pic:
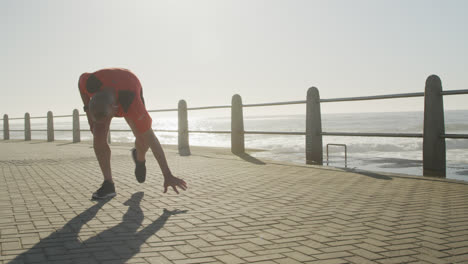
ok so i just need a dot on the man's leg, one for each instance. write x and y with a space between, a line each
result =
103 155
102 150
140 145
141 148
138 153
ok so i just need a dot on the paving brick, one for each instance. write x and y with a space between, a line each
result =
402 246
399 253
366 254
430 259
10 246
207 254
298 256
184 249
173 255
264 257
306 250
240 252
359 260
230 259
433 246
458 244
397 260
328 261
332 255
273 251
457 251
370 247
457 259
338 248
194 261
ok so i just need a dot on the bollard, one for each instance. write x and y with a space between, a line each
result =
434 127
237 125
50 126
27 127
6 128
184 147
76 126
314 148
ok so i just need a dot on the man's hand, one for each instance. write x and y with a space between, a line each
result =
174 182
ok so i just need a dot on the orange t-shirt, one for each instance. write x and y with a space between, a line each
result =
128 94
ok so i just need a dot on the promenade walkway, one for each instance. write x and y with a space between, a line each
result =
236 210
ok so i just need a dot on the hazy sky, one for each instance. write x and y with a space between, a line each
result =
206 51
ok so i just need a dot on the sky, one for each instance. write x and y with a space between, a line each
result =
206 51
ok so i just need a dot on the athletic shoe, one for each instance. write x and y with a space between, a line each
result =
107 190
140 167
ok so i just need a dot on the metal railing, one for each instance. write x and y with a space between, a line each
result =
345 152
434 127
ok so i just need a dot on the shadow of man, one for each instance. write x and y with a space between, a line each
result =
117 244
62 240
121 242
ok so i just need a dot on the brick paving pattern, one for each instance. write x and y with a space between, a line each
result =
236 210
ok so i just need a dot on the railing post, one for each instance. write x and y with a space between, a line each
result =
50 126
76 126
109 139
27 127
434 128
237 125
6 128
184 147
314 148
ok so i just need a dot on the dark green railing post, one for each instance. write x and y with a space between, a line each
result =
184 147
76 126
237 126
27 127
434 127
314 147
6 128
50 126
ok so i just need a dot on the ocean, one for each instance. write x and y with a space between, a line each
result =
395 155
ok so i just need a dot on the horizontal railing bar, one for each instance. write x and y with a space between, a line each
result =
212 132
455 136
408 135
16 130
162 110
118 130
165 130
454 92
278 103
191 108
59 116
209 107
39 130
375 97
129 130
275 133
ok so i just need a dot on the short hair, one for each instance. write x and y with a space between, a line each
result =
100 104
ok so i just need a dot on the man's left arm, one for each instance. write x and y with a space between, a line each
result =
169 179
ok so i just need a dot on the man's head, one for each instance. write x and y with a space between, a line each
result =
101 106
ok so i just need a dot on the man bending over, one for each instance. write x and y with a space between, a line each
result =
117 92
